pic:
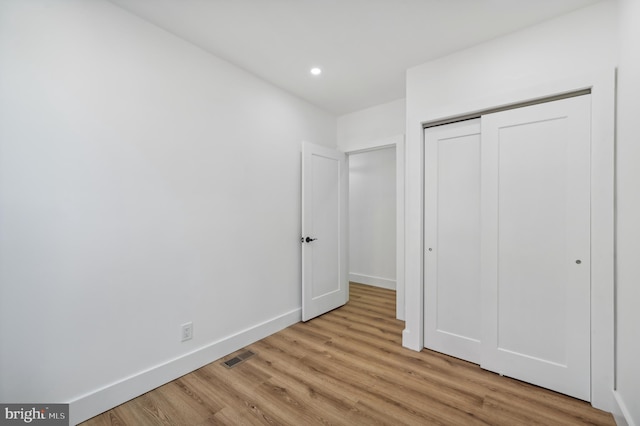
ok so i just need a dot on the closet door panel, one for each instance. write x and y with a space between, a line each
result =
452 239
536 244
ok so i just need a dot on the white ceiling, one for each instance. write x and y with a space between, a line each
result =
362 46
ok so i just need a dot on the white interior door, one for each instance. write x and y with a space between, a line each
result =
535 210
452 239
325 284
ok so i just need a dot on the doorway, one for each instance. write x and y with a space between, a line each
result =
372 217
381 161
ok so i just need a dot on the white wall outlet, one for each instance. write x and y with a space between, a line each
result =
187 331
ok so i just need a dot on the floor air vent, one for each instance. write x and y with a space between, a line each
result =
230 363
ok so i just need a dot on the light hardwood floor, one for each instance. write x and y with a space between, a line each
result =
348 367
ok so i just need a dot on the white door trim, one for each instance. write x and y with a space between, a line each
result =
602 87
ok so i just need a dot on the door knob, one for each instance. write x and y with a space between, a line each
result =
310 239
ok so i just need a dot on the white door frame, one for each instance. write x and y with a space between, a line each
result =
398 142
602 86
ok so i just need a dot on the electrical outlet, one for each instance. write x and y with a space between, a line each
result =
187 331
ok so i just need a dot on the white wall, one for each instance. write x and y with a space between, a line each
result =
371 127
372 217
628 203
529 63
143 183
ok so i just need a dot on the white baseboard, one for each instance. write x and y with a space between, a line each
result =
621 413
112 395
374 281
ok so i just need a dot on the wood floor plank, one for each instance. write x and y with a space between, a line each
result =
305 371
348 367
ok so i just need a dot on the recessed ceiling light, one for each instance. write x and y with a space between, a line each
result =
316 71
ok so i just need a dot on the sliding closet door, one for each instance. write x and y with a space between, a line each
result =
536 244
452 239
